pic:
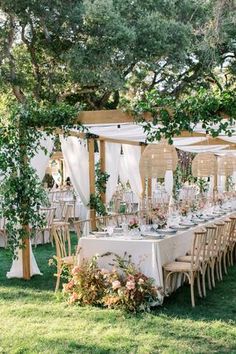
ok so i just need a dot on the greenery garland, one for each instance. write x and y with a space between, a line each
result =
100 184
170 117
21 191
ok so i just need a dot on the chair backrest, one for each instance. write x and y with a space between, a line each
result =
210 240
221 226
49 215
226 234
61 236
198 248
232 229
68 211
82 227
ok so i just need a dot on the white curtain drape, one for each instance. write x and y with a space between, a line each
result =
169 182
40 163
76 156
130 166
112 168
221 183
211 185
40 160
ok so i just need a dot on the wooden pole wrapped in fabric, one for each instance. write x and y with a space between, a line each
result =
143 178
24 205
92 179
103 165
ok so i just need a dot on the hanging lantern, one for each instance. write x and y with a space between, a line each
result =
157 159
204 165
227 165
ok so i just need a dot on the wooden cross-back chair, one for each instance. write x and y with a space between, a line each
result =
82 227
64 256
48 215
219 247
190 269
232 241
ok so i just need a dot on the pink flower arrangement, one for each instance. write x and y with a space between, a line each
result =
130 285
133 224
116 284
123 287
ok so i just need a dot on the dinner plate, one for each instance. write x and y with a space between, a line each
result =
152 234
179 227
100 234
187 223
166 231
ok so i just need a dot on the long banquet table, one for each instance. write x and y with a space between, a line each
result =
148 254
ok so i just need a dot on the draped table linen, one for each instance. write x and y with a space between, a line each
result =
148 254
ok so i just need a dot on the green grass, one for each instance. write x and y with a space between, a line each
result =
32 320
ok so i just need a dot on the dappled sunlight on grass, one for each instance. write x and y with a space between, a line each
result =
33 320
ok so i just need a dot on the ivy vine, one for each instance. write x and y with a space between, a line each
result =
169 117
101 179
22 193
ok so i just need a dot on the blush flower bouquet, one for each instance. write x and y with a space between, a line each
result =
123 287
134 224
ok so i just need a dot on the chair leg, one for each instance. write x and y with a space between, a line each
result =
217 270
220 267
231 258
199 285
213 273
192 289
204 282
224 263
209 277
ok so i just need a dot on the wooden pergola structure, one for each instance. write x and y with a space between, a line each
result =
108 117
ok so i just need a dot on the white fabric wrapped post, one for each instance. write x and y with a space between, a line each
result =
112 156
130 166
40 163
211 186
76 157
169 182
221 183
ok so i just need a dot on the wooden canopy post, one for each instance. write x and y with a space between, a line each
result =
92 179
24 206
143 177
215 189
103 165
26 254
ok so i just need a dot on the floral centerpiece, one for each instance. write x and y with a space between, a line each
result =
124 287
159 216
184 209
134 224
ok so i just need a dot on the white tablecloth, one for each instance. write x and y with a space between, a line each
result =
148 255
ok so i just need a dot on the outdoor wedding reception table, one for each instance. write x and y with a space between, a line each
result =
149 253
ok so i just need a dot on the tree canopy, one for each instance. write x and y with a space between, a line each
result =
96 51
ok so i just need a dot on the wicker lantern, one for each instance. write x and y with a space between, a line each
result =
157 159
204 165
227 165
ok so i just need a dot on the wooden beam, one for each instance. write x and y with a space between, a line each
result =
92 180
115 116
103 164
143 179
187 134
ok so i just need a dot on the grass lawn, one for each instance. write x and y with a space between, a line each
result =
32 320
